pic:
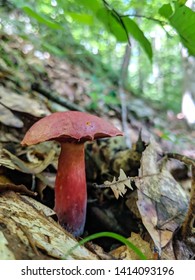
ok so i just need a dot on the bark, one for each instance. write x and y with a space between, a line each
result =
27 233
188 98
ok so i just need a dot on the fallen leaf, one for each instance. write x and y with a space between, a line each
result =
161 200
22 103
8 118
119 187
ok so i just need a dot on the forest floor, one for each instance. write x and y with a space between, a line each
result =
35 84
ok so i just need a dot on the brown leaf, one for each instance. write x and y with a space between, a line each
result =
161 200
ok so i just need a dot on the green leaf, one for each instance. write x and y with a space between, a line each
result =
181 2
93 5
111 24
40 18
139 36
121 31
183 21
82 18
165 11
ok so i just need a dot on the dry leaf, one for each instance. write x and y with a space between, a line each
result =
8 118
22 103
161 200
119 187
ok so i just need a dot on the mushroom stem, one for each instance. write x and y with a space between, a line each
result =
70 188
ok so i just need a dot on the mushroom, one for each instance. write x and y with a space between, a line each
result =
71 129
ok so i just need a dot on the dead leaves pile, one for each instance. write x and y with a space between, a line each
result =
162 205
161 201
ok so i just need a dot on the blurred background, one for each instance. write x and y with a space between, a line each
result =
136 58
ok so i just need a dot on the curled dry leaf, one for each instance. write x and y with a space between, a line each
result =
119 187
26 233
161 200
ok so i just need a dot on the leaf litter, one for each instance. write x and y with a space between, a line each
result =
161 209
162 202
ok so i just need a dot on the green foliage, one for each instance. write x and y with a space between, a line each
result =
183 20
94 34
81 18
40 19
181 2
166 11
139 36
120 27
94 5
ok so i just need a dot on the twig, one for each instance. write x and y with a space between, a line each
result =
188 225
184 159
122 95
161 22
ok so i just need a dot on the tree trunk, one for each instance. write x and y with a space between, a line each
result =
188 99
122 95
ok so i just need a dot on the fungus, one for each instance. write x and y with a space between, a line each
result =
71 129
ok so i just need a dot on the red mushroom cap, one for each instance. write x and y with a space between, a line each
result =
70 126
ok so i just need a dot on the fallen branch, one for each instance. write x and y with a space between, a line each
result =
27 233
